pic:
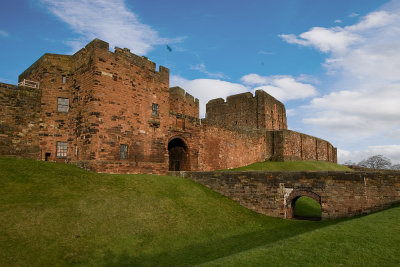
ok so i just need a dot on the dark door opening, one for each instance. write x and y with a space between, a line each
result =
47 156
178 155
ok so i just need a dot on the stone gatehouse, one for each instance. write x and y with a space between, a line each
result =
114 112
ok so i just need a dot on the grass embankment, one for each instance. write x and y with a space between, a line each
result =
293 166
55 214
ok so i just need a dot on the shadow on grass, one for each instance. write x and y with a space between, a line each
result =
218 248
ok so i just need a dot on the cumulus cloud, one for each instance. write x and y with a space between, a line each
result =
282 87
108 20
337 39
207 89
364 62
202 68
362 112
326 40
373 20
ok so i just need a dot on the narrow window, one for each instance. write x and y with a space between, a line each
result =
154 109
123 151
61 149
63 104
64 79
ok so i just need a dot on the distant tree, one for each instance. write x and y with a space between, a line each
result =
350 163
376 162
395 167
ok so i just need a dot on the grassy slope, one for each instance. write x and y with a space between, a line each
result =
55 214
373 240
293 166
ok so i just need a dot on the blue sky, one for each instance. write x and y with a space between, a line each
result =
334 64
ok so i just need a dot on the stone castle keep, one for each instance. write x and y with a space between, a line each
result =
114 112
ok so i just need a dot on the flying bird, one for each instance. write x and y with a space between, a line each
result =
169 48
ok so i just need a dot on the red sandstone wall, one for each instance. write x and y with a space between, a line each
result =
309 150
223 149
183 103
243 111
75 126
272 113
290 145
19 121
125 87
54 126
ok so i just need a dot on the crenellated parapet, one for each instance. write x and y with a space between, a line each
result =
183 102
245 111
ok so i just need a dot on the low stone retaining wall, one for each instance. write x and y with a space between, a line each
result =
341 194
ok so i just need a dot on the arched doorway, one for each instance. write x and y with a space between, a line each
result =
305 205
178 155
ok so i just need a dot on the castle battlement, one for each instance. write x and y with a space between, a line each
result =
238 97
183 102
181 94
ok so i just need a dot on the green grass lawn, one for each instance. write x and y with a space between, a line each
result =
57 215
293 166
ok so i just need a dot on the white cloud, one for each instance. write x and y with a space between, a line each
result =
308 79
373 20
207 89
338 21
111 21
291 112
282 87
255 79
353 15
362 104
337 39
364 113
390 151
3 33
202 68
326 40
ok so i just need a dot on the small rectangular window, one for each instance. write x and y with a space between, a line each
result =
123 151
63 104
64 79
61 149
154 109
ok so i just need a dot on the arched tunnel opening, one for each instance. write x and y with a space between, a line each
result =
306 208
178 155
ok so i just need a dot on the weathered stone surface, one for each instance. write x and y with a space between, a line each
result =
19 121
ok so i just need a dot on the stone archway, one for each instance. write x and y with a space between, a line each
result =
294 196
178 155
